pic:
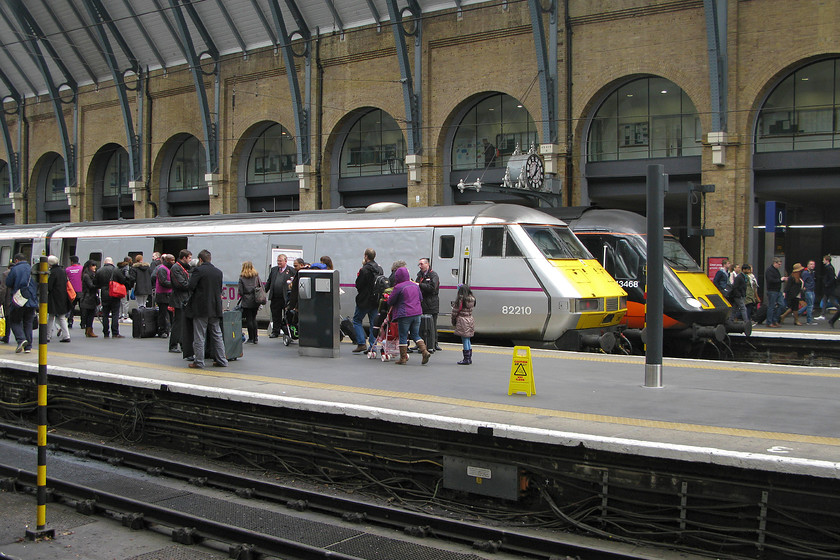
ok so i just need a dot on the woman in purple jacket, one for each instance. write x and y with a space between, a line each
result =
406 311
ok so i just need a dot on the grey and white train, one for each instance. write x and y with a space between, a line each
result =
533 279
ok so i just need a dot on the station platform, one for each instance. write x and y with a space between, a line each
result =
756 416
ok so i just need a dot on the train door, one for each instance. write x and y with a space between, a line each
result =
452 263
68 248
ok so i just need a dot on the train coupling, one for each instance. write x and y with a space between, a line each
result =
589 339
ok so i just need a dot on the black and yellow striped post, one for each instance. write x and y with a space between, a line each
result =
41 530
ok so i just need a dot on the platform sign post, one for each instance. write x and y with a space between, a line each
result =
657 186
41 530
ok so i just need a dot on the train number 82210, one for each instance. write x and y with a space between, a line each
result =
516 310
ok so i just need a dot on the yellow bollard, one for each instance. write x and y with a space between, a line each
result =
522 372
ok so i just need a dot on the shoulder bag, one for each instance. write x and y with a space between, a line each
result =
71 292
115 289
259 293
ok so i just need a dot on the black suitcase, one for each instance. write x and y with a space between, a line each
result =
348 330
144 322
232 333
760 314
428 331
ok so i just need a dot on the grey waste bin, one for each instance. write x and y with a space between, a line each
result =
318 320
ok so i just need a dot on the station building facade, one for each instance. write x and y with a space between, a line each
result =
632 87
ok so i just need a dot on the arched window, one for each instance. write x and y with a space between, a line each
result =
273 157
56 181
645 118
5 184
803 111
116 174
375 145
188 166
490 132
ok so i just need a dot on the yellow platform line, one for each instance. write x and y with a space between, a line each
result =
515 409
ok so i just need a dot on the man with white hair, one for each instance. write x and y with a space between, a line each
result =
58 301
110 305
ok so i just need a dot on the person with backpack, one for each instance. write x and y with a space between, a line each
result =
367 299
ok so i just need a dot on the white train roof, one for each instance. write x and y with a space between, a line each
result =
378 216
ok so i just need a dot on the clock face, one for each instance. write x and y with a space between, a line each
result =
534 172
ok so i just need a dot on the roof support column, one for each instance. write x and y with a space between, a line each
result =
14 157
301 108
546 67
410 85
32 36
101 19
716 23
211 140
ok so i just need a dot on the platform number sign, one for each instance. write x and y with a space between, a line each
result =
775 216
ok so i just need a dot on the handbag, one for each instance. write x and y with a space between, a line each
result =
259 293
19 299
115 289
71 292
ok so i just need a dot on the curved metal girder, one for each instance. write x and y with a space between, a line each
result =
142 28
374 12
70 42
170 27
411 96
211 141
264 22
202 30
232 26
14 157
301 113
716 21
547 69
106 20
34 35
337 18
100 17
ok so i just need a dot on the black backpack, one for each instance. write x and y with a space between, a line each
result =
380 284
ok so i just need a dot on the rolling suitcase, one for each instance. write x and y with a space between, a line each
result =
144 322
348 330
428 331
232 333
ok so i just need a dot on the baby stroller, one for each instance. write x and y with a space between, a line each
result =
289 326
387 341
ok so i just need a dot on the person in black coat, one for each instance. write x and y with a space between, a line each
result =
110 305
58 301
277 288
89 298
205 308
429 283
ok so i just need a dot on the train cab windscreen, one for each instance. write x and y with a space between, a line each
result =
677 257
557 243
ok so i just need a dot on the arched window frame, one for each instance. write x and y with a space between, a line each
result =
504 122
375 145
648 117
803 110
186 171
273 157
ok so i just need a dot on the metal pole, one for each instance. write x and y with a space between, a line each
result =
657 183
41 493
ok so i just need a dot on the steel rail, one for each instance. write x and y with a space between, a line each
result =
388 516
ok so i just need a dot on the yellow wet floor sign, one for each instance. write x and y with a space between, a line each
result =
522 372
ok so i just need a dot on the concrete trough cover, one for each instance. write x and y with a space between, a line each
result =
178 553
313 533
373 547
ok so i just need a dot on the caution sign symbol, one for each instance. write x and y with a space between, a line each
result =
522 372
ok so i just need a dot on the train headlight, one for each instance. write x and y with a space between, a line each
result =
589 304
693 302
622 302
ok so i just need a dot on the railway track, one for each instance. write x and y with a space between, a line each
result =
192 528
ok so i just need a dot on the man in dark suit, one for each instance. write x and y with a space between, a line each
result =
110 306
205 307
279 279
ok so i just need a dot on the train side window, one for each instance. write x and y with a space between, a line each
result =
134 254
97 258
511 248
626 261
492 241
447 246
5 256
